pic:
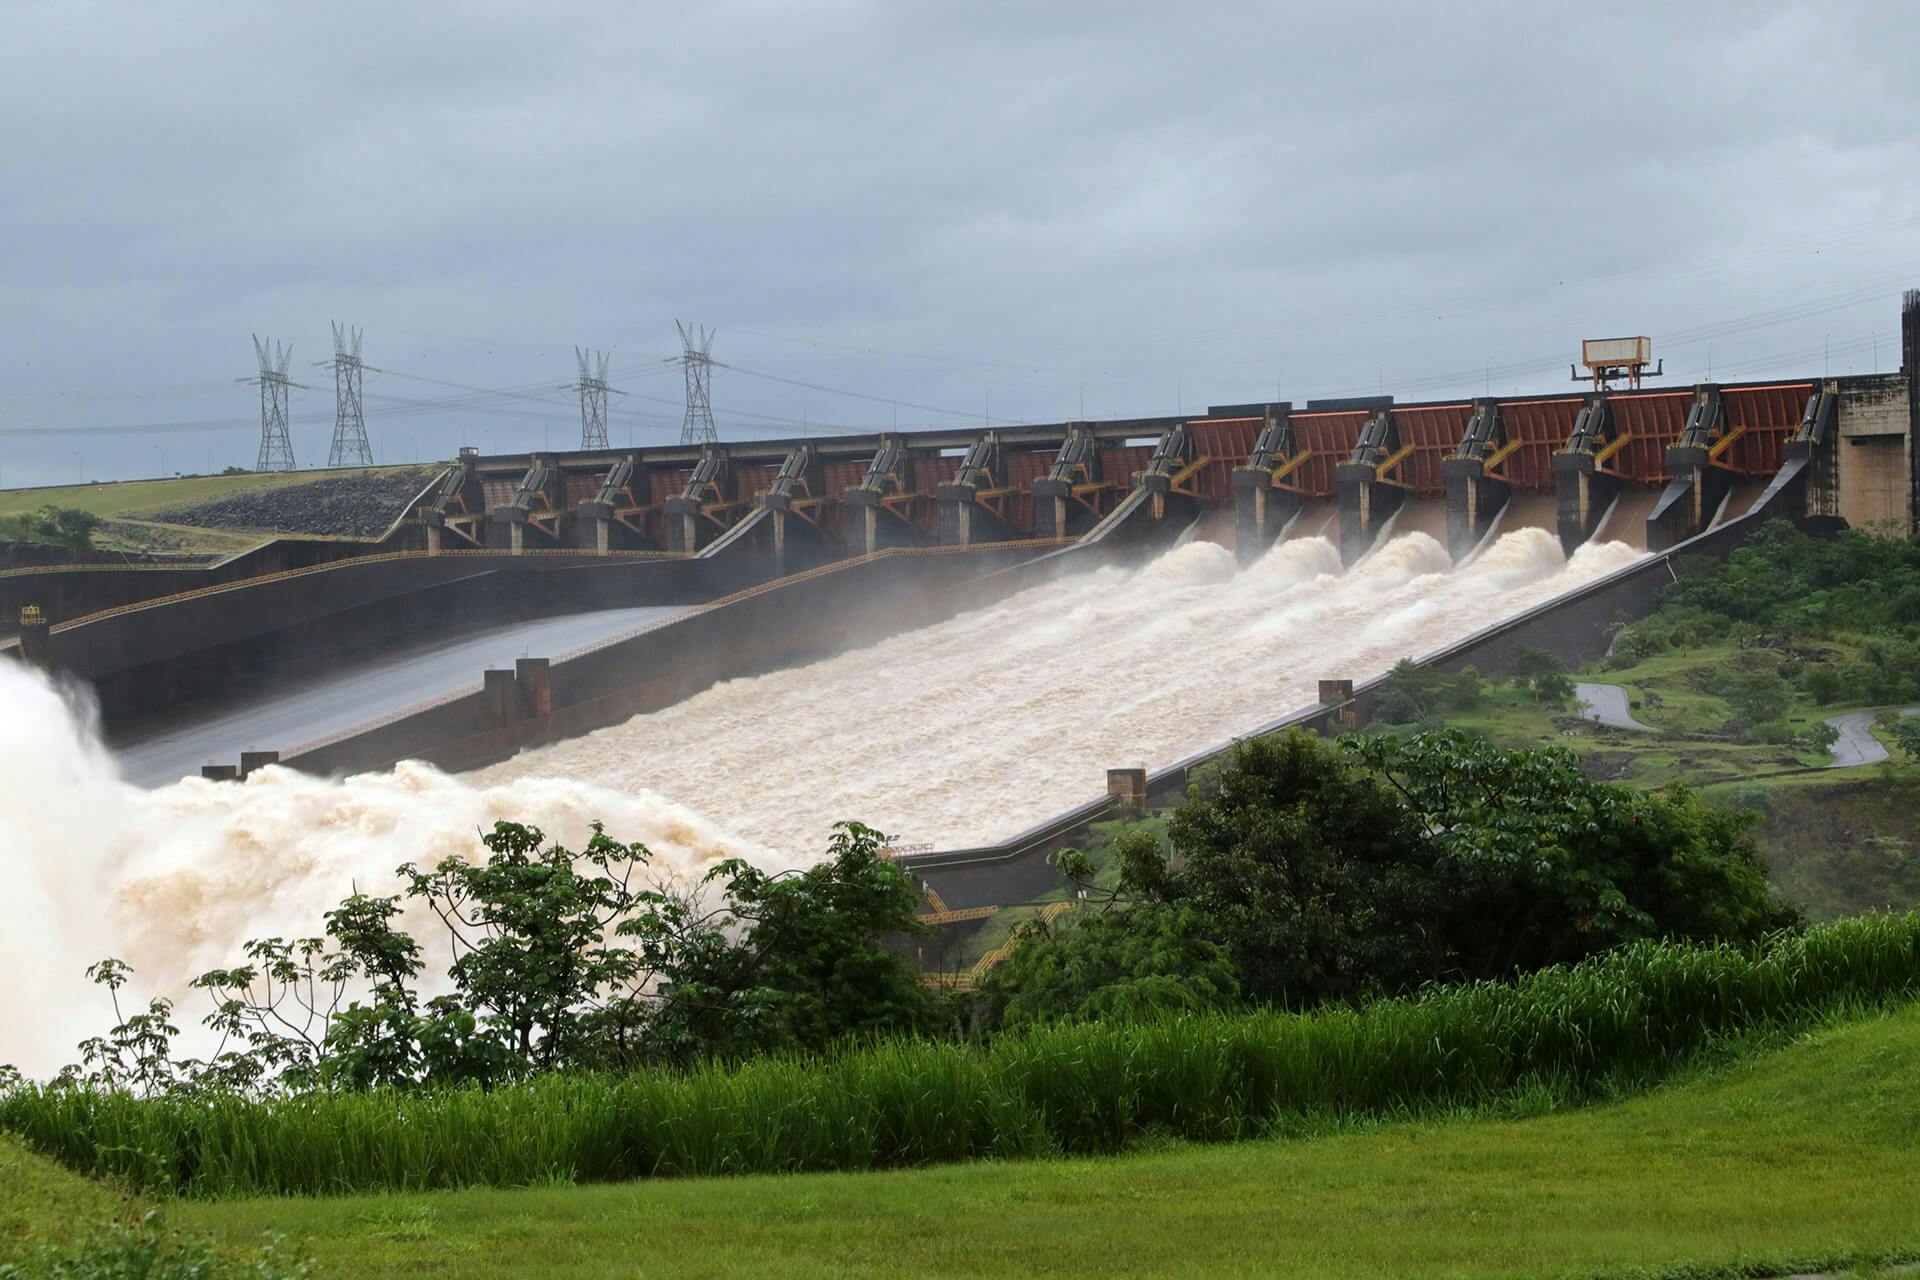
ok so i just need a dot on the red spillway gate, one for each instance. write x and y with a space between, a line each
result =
1326 439
1535 431
1758 421
1429 435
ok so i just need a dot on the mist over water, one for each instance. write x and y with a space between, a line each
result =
972 729
961 732
175 880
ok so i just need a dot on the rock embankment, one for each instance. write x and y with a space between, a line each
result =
359 504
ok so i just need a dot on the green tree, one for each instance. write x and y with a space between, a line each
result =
529 929
1540 864
1905 732
793 960
1541 674
1331 871
56 526
1307 868
1413 694
1755 691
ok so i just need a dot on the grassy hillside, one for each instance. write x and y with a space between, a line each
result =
41 1203
1837 841
1797 1158
135 510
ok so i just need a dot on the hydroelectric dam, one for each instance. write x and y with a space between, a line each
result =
978 640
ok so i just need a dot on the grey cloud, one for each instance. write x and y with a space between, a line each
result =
938 202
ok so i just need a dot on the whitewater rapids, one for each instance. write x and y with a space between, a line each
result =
973 729
174 880
957 733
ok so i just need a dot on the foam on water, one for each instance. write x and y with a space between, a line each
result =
971 729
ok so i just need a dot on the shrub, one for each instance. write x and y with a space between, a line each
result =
56 526
1411 694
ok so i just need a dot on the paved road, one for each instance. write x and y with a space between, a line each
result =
1607 703
362 690
1856 744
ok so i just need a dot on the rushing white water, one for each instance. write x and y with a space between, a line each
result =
960 732
174 880
972 729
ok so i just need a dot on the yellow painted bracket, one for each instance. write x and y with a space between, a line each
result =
1500 455
1399 457
1191 467
1721 445
1612 447
1291 465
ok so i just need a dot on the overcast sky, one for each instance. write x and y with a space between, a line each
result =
987 209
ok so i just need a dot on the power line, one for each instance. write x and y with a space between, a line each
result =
861 395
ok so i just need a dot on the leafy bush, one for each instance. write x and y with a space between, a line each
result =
1905 732
1619 1018
1112 964
1411 694
56 526
1541 674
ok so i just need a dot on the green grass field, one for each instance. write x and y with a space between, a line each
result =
1788 1160
124 504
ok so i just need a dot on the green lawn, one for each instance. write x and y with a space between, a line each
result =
1803 1156
136 495
42 1202
123 504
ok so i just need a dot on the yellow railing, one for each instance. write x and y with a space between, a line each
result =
1405 451
958 917
990 960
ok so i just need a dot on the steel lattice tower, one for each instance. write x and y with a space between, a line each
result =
593 390
276 446
350 447
696 347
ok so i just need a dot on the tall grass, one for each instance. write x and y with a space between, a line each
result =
1092 1087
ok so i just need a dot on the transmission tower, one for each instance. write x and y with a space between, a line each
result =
696 357
593 390
350 447
276 446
